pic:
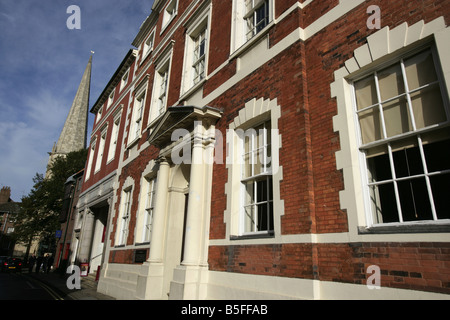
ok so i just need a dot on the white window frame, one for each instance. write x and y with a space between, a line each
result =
251 16
101 150
148 46
387 141
199 72
161 85
149 201
256 144
240 14
125 214
384 45
138 113
114 139
124 80
169 13
163 89
199 26
254 113
110 98
99 114
91 160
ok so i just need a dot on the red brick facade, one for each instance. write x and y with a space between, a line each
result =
299 78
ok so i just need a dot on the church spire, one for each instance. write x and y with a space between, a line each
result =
74 133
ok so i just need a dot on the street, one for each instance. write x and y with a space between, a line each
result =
20 286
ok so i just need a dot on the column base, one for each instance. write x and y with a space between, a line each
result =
189 283
150 282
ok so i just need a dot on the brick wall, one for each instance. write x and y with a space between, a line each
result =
416 266
300 79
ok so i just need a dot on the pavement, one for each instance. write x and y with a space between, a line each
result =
57 284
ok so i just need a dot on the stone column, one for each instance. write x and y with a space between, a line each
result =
191 274
193 232
159 214
209 161
151 277
87 232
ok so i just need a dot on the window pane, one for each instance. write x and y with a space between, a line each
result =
262 15
420 70
379 168
391 82
268 150
261 187
408 162
414 200
249 193
370 125
440 186
396 117
247 166
259 158
247 144
262 217
249 221
437 155
366 93
384 205
428 107
250 28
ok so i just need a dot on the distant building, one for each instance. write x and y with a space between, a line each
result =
274 149
8 211
67 241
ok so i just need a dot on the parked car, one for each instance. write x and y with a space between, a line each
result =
12 264
2 261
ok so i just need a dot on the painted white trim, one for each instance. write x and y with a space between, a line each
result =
166 18
385 45
91 158
239 286
147 50
187 85
128 186
121 280
101 148
253 112
149 173
164 62
114 136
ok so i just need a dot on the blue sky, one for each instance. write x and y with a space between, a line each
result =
41 65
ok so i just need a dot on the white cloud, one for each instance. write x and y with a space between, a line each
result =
24 144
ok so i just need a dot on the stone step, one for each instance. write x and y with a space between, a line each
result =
89 281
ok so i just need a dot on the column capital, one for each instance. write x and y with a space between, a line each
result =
162 160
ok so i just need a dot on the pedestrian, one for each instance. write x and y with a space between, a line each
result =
44 263
31 262
49 263
38 263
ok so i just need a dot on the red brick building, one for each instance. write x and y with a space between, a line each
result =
105 150
282 149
